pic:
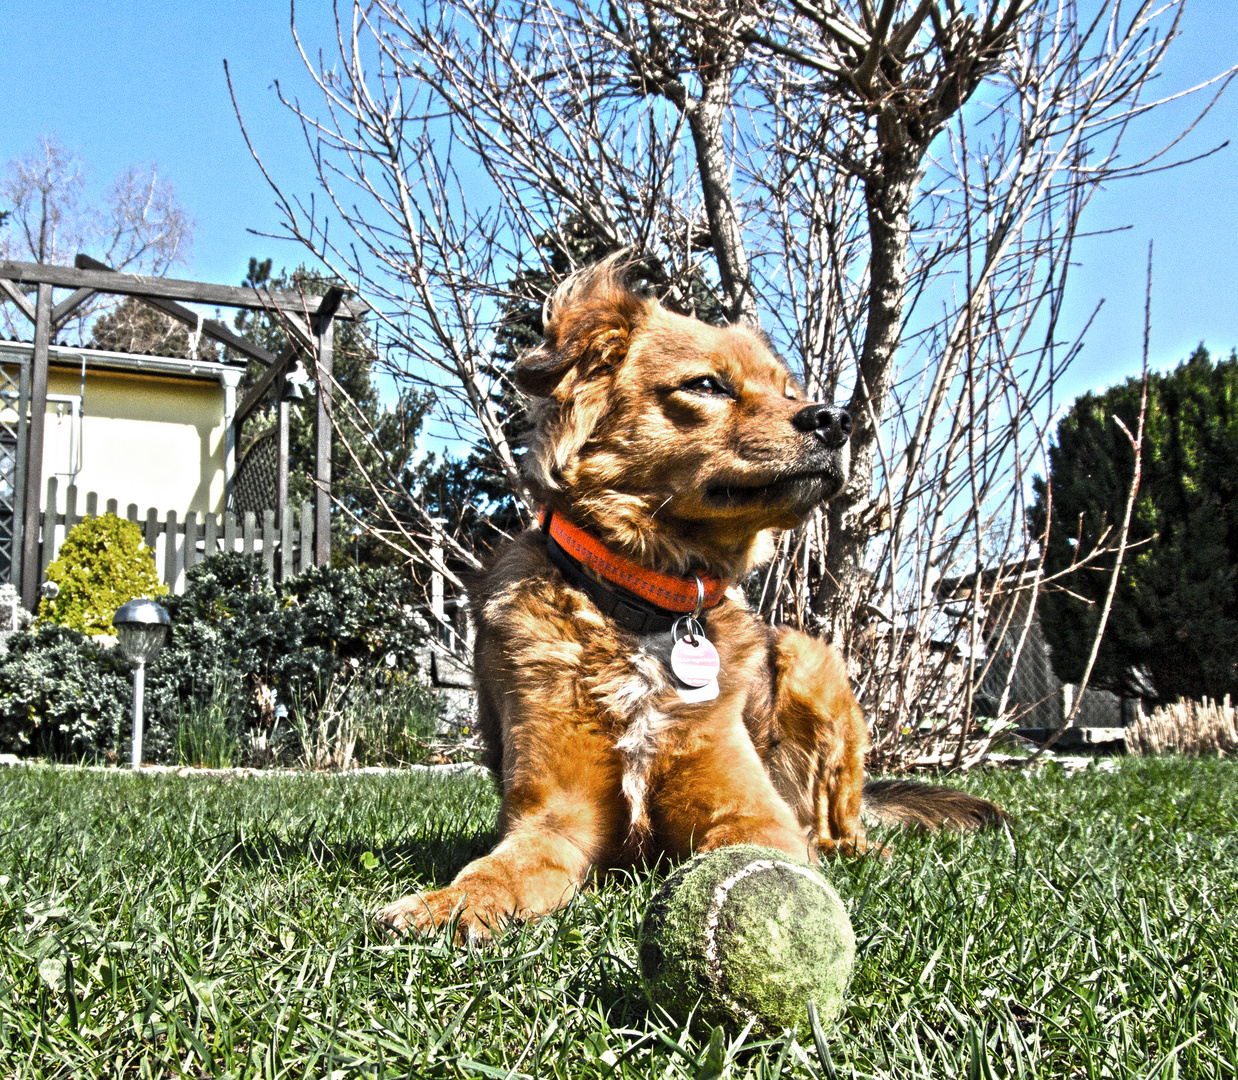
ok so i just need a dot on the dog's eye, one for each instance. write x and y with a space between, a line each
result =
707 384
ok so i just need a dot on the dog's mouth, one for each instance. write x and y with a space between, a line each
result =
800 489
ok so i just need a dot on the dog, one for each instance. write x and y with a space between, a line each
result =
667 453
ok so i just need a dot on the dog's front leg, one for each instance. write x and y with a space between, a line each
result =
562 810
712 790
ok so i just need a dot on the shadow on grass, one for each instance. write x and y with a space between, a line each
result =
431 859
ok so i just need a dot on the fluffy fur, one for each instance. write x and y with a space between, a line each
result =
681 446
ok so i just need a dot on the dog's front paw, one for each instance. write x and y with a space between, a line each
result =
478 916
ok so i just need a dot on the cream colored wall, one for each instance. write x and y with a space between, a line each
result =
146 439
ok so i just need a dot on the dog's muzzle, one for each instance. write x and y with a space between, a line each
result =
830 423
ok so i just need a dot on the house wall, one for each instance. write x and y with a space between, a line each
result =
153 440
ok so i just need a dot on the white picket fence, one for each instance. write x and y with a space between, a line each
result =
286 547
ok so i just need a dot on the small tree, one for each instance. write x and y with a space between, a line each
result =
1174 622
102 564
138 224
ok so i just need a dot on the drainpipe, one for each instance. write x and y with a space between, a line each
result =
229 380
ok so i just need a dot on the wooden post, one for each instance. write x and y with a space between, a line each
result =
268 543
70 508
307 536
169 551
251 526
131 511
49 531
229 531
113 507
211 541
92 505
285 545
31 570
323 364
152 531
191 540
282 420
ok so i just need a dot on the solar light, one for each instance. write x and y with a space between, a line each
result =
141 626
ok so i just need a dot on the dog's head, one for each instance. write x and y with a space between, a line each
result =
677 441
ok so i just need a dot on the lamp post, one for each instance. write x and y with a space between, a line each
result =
141 626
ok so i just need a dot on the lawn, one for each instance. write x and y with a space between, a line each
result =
161 925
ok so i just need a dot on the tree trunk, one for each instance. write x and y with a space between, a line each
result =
705 122
889 191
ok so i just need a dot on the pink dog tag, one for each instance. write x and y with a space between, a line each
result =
694 660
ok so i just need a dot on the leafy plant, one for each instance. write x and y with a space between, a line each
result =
102 564
208 730
62 694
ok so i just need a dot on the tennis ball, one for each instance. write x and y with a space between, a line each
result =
746 933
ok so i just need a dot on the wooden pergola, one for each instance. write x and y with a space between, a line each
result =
308 320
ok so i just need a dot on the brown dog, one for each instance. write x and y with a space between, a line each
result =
665 452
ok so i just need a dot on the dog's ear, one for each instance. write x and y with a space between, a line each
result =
589 321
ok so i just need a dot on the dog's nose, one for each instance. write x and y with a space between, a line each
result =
830 422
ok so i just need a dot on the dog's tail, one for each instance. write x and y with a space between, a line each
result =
928 807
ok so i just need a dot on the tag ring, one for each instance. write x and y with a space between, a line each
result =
700 597
694 628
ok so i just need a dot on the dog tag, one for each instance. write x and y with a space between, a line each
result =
701 693
694 660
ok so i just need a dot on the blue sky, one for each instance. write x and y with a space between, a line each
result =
124 82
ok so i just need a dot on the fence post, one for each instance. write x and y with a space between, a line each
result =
268 543
211 542
251 526
152 531
49 533
169 551
113 507
131 511
229 531
191 540
92 504
70 508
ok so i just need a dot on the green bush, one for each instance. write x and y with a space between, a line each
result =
238 648
102 564
62 695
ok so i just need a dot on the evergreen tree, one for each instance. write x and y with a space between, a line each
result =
133 326
1175 614
382 439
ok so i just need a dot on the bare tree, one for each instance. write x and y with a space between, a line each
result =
138 225
895 189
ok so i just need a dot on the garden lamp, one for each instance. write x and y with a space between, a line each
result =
141 626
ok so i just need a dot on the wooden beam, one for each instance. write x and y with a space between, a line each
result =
31 568
210 327
18 297
68 306
191 292
258 391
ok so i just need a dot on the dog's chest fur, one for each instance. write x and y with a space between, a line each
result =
539 637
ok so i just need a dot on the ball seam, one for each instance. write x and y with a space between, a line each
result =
721 892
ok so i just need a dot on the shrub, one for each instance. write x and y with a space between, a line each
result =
102 564
238 648
63 695
288 642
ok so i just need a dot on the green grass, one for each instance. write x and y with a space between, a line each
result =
158 925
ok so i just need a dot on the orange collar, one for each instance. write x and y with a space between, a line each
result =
666 591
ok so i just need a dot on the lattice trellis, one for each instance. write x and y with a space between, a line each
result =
257 475
11 408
